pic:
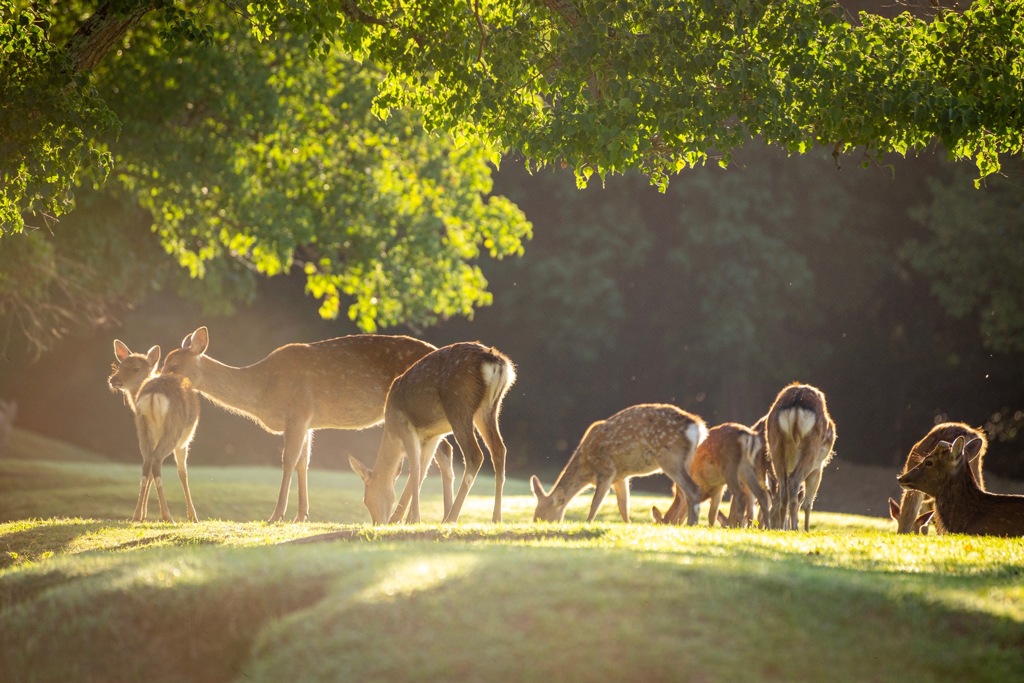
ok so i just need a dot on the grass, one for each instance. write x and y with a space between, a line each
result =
88 596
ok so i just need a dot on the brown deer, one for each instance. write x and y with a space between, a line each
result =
339 383
456 389
963 506
731 455
637 441
167 422
167 411
915 510
801 435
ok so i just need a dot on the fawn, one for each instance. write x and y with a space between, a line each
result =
963 506
732 455
914 510
456 389
801 435
639 440
339 383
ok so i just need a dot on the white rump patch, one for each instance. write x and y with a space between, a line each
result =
696 432
796 422
154 408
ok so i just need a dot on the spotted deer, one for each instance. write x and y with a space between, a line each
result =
915 509
456 389
339 383
801 435
637 441
964 507
732 455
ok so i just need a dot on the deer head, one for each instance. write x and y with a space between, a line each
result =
946 461
130 370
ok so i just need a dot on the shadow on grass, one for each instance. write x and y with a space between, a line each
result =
452 533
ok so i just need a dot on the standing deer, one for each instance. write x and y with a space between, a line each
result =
339 383
915 510
636 441
800 438
167 411
729 456
456 389
963 506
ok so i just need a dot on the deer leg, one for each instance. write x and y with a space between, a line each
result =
140 506
474 457
414 454
674 514
689 490
622 497
716 500
165 512
427 452
294 439
601 486
302 472
488 428
812 483
443 455
180 458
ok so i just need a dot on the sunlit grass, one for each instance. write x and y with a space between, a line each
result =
88 596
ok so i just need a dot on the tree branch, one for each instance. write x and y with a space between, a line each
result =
104 27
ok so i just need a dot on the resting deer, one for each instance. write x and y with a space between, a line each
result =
640 440
167 410
963 506
800 439
915 510
339 383
456 389
729 456
8 413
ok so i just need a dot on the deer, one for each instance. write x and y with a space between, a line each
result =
636 441
165 421
457 389
732 455
915 510
962 505
167 411
801 435
8 413
339 383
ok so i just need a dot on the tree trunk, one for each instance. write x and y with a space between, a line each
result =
97 34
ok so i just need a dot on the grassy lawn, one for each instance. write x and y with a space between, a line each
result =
88 596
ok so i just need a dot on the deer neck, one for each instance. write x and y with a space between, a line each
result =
958 501
240 390
573 479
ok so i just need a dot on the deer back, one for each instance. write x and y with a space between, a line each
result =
727 448
168 410
339 383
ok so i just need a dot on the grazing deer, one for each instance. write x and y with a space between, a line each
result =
8 413
636 441
963 506
167 411
130 370
729 456
339 383
456 389
915 510
800 439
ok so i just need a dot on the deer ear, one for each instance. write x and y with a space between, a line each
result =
657 515
922 520
957 449
974 449
196 342
121 350
153 355
894 509
538 489
359 468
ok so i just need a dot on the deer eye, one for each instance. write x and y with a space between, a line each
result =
929 463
